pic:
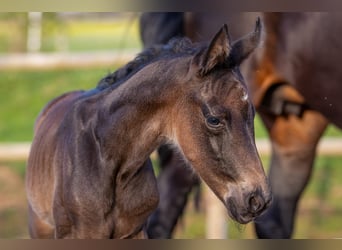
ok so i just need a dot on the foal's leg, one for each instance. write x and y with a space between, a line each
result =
91 216
294 142
37 227
135 203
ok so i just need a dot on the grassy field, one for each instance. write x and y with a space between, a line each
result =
24 93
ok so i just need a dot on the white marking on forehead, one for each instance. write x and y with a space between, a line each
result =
244 96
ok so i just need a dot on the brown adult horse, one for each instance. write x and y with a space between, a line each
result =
89 174
295 82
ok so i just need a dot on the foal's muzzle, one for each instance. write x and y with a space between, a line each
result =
256 203
247 208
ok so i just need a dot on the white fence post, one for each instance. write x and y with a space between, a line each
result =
34 31
216 216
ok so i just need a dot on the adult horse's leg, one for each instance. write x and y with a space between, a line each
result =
175 182
294 140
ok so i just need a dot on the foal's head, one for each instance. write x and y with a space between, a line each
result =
212 124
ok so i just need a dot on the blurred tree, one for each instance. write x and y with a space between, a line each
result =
54 35
13 31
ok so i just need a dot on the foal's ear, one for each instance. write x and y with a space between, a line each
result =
216 53
243 47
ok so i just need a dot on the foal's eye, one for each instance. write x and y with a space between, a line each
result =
213 121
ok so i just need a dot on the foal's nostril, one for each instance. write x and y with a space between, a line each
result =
256 203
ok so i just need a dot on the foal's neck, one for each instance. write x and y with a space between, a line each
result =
137 117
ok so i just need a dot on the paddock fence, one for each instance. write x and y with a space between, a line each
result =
20 150
68 60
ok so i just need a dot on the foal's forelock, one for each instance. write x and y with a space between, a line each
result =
223 86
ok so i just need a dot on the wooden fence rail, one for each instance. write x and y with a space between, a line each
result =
327 146
57 60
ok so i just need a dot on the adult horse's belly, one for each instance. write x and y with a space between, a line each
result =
308 55
327 101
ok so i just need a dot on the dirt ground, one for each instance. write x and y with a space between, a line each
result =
13 212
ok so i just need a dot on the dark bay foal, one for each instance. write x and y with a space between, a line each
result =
89 174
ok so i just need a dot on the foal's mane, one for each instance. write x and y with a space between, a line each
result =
175 47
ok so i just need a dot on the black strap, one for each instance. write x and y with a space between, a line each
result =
281 106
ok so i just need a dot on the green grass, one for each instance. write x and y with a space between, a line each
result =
13 219
17 167
24 94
